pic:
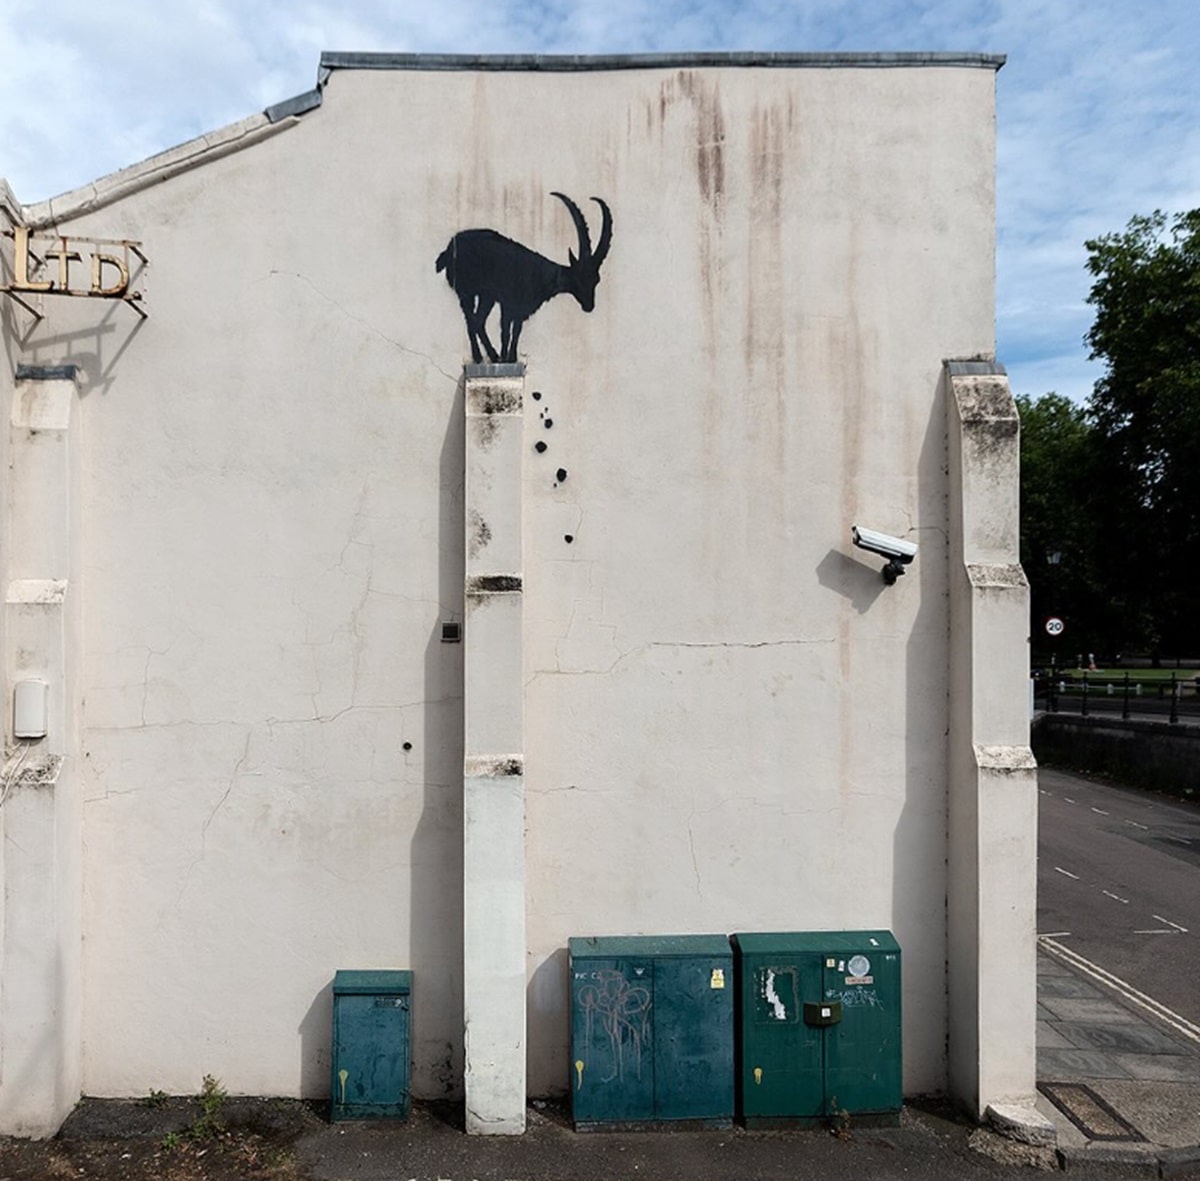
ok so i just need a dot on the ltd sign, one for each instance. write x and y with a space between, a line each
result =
95 268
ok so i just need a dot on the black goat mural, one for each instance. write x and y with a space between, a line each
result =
484 268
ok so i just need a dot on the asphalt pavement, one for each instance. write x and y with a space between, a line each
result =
1118 998
1121 1087
1118 1066
1119 884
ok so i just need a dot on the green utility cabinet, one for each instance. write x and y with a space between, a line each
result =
818 1029
371 1031
651 1030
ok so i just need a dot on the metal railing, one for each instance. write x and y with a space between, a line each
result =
1175 699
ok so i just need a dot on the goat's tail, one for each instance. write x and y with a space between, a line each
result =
445 262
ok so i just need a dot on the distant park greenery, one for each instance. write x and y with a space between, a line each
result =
1110 491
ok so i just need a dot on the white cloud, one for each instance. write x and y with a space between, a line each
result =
1097 106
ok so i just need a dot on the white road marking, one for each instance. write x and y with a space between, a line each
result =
1068 799
1174 1020
1171 924
1156 931
1100 811
1055 935
1067 873
1181 840
1110 894
1143 827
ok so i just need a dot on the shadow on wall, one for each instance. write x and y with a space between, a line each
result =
436 887
919 874
547 999
851 578
433 891
315 1035
97 349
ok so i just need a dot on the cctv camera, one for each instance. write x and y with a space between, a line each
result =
898 553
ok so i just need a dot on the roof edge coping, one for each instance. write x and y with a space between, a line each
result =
10 205
571 63
157 168
232 138
300 104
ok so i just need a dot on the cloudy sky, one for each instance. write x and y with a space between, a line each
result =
1098 106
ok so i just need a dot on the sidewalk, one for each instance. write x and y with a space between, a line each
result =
1122 1091
1118 1085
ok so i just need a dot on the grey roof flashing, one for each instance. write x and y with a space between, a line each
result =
573 63
976 368
301 104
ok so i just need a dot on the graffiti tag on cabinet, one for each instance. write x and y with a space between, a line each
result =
487 270
855 998
622 1012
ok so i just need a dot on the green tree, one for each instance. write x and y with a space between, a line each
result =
1058 527
1146 412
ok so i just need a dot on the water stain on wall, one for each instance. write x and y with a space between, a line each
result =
479 533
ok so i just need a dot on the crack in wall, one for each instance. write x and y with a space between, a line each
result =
692 846
151 653
319 719
186 876
229 786
628 654
782 643
273 273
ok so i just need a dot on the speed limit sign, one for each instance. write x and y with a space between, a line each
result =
1054 626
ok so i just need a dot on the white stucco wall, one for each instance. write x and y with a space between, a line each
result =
730 722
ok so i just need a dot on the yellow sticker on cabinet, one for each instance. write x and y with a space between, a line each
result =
718 978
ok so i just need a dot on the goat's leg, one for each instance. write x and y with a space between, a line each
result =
484 310
514 337
467 302
506 331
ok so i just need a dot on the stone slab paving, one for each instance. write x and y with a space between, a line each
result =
1127 1087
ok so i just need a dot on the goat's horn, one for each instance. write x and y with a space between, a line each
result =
585 242
605 233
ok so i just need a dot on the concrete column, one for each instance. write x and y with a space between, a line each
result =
41 817
493 771
993 777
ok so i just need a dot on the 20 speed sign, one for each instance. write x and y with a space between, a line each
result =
1054 626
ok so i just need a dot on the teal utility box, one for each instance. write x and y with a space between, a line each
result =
818 1027
371 1031
651 1030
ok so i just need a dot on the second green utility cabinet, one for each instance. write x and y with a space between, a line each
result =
370 1045
651 1029
818 1026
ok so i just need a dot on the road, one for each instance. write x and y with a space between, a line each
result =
1119 884
1141 709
